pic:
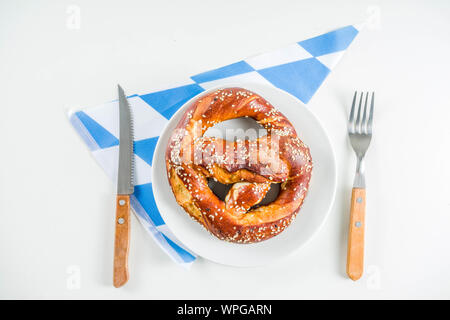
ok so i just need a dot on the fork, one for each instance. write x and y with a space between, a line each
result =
360 134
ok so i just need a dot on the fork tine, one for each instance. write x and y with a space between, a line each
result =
358 117
369 122
351 124
363 121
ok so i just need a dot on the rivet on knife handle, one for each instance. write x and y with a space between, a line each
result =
122 240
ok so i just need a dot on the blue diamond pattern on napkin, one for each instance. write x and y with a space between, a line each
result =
333 41
300 78
167 102
145 149
224 72
184 254
102 136
144 194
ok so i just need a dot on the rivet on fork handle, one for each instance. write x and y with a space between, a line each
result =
355 254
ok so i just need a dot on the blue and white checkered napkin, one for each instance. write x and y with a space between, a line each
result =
298 69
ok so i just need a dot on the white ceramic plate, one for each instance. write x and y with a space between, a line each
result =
311 217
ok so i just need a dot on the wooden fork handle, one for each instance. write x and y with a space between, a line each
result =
122 240
355 252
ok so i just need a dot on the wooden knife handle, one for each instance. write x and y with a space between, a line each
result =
355 252
122 240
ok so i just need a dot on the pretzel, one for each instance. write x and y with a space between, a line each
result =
251 166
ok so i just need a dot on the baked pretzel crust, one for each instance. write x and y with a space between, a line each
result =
251 166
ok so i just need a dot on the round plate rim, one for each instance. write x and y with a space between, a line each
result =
329 145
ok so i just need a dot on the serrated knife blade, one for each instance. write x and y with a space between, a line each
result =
125 183
125 187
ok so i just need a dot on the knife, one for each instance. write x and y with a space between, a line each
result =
125 187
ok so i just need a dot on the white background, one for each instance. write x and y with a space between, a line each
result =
57 206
